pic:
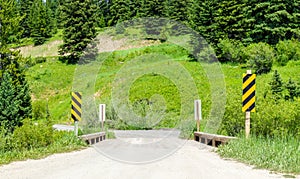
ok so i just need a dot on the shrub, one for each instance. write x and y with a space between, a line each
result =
231 50
32 135
292 89
259 57
39 110
287 50
276 84
276 118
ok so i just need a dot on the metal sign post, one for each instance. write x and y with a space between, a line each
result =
102 115
198 113
248 98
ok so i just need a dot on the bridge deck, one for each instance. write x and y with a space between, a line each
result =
93 138
211 139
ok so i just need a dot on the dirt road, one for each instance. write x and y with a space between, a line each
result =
191 160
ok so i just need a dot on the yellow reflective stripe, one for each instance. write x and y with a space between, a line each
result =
76 97
249 92
248 81
76 106
248 104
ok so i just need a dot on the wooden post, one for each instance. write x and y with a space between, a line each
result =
198 115
247 120
247 124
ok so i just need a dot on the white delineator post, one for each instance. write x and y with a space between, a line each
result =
102 115
247 120
198 113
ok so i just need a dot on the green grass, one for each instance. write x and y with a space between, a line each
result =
52 81
280 154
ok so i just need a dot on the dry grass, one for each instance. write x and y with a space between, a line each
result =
45 50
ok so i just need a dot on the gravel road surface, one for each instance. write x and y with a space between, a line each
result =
191 160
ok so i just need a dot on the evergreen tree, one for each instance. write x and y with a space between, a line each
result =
276 84
104 14
177 9
152 8
231 18
79 23
24 7
40 22
271 21
51 8
14 103
202 18
136 8
10 20
291 87
119 11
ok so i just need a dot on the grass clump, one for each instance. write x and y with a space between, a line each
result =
280 154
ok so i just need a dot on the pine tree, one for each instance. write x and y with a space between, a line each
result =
79 23
271 21
291 87
14 103
15 100
51 7
10 20
177 9
39 22
119 11
136 8
231 18
276 85
152 8
24 7
202 18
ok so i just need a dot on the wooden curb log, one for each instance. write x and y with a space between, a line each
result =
211 139
93 138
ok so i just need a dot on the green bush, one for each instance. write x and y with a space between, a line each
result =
39 109
259 57
287 50
276 117
231 50
32 135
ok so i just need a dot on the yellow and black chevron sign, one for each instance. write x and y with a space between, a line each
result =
249 92
76 106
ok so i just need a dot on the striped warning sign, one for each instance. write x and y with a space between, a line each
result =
76 106
249 92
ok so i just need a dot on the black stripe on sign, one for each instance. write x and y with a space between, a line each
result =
74 118
74 99
77 112
249 86
78 95
252 95
246 77
251 107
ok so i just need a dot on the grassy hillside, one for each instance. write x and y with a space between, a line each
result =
275 126
53 79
